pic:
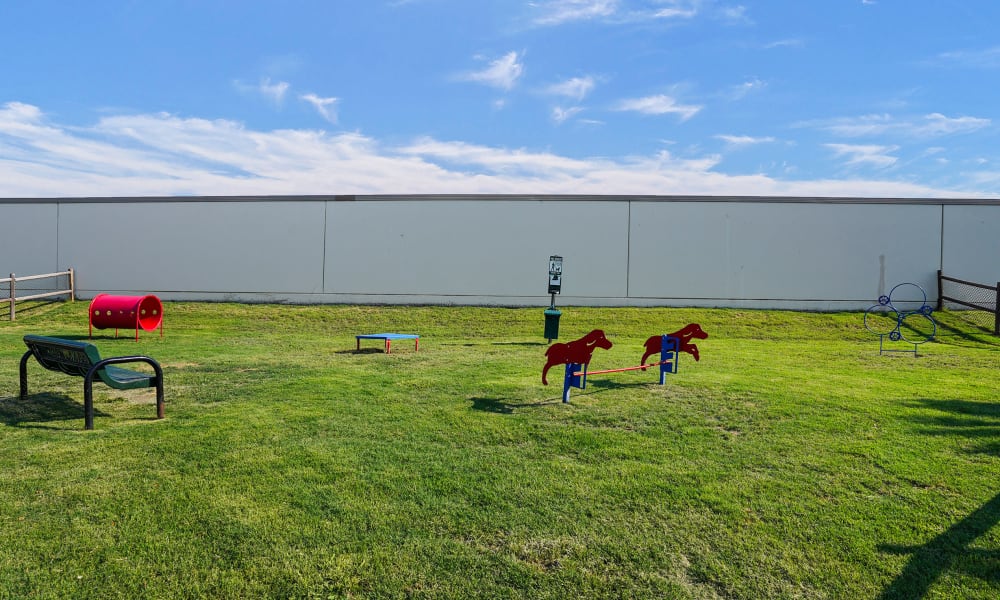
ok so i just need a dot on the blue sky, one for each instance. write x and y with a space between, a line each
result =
875 98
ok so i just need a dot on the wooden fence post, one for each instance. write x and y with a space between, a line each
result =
12 289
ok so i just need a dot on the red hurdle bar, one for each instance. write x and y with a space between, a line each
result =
643 367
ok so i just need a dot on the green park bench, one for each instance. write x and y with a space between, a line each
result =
81 359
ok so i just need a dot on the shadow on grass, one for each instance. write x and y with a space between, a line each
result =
951 550
501 406
979 421
41 408
948 551
950 334
34 306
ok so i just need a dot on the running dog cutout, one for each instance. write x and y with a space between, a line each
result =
577 351
576 355
684 334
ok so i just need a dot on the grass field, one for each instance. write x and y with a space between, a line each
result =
792 461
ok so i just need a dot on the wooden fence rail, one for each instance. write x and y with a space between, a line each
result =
12 281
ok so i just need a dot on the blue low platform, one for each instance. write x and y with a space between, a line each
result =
388 337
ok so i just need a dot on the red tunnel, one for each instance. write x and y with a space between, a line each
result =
108 311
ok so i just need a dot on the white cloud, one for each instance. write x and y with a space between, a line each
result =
740 141
658 105
787 43
273 91
746 88
736 14
324 106
936 124
988 58
928 126
165 155
859 155
676 9
556 12
576 88
501 73
559 114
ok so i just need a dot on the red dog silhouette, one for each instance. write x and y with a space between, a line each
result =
692 330
577 351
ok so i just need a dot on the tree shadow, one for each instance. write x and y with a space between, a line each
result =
948 551
41 408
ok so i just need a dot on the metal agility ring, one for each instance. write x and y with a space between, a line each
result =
872 320
886 319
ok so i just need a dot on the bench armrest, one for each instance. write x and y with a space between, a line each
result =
117 360
88 385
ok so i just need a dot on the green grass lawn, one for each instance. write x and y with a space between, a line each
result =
792 461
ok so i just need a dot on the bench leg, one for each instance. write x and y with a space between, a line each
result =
88 403
159 394
24 374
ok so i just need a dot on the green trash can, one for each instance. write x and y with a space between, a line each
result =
552 324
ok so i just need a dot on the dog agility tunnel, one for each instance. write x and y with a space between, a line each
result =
107 311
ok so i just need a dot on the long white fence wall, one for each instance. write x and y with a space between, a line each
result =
801 253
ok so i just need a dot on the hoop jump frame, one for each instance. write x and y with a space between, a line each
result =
576 373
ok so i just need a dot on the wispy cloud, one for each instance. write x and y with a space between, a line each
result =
556 12
861 155
324 106
164 155
786 43
735 14
576 88
560 114
620 12
987 58
501 73
928 126
746 88
658 105
273 91
740 141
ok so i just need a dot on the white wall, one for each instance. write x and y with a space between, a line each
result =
486 249
748 252
28 239
971 248
771 254
191 248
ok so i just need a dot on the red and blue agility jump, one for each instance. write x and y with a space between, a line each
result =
576 355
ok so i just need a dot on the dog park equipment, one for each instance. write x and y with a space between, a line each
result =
576 355
81 359
555 287
576 373
108 311
388 337
889 318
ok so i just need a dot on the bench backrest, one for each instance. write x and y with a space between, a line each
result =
68 356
